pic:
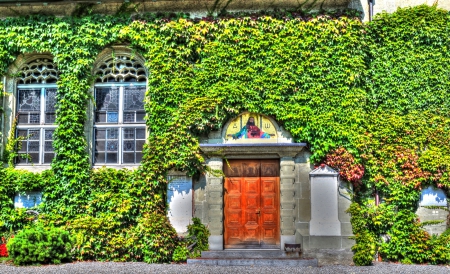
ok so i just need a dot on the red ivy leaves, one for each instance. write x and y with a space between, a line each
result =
410 171
345 163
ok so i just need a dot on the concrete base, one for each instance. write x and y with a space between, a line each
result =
215 242
331 256
250 254
255 262
287 239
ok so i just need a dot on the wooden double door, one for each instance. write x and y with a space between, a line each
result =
252 204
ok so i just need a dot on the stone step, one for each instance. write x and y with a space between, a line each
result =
278 262
249 254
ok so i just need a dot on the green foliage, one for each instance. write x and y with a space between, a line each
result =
40 245
407 243
372 97
150 239
155 238
198 233
13 145
440 249
180 254
13 181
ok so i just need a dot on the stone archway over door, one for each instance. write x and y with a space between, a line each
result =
252 204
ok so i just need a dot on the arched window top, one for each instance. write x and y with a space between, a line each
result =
120 68
38 71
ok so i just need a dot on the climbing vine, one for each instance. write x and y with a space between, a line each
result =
368 99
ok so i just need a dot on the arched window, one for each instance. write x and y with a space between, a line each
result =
36 101
119 126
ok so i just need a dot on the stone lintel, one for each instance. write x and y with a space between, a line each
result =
255 151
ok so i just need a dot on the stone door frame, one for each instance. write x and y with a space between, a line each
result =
286 152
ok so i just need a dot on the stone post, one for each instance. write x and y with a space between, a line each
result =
287 200
324 202
214 201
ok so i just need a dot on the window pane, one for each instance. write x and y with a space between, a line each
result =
100 133
100 117
29 100
48 145
34 118
140 145
112 133
112 146
48 157
128 158
111 158
112 117
50 100
34 158
128 133
129 117
23 146
99 158
128 146
33 146
134 98
34 134
50 105
50 118
140 133
107 105
23 118
138 157
100 145
140 116
107 99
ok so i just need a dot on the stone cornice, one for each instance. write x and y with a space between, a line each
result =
236 151
197 8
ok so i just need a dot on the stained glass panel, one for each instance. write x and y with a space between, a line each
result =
29 100
107 99
134 98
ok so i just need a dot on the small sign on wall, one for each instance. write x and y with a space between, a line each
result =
431 196
27 199
179 198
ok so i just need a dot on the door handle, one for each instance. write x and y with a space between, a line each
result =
258 211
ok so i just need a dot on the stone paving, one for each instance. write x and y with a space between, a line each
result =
110 268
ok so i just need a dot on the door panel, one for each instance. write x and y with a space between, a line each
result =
270 210
252 204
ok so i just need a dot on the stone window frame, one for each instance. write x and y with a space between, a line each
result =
96 127
34 71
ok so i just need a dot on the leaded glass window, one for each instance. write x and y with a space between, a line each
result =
119 102
36 108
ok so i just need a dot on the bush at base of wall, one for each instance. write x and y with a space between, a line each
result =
40 245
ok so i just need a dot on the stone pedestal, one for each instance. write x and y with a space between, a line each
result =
324 203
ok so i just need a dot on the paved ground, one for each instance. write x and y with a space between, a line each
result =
112 268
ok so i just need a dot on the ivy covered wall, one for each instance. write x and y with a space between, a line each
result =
369 99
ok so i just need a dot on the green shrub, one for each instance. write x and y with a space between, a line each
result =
180 254
154 239
197 233
364 249
440 249
102 238
40 245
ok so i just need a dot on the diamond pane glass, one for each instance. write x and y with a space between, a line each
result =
29 100
112 117
134 98
35 118
107 99
50 100
112 145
